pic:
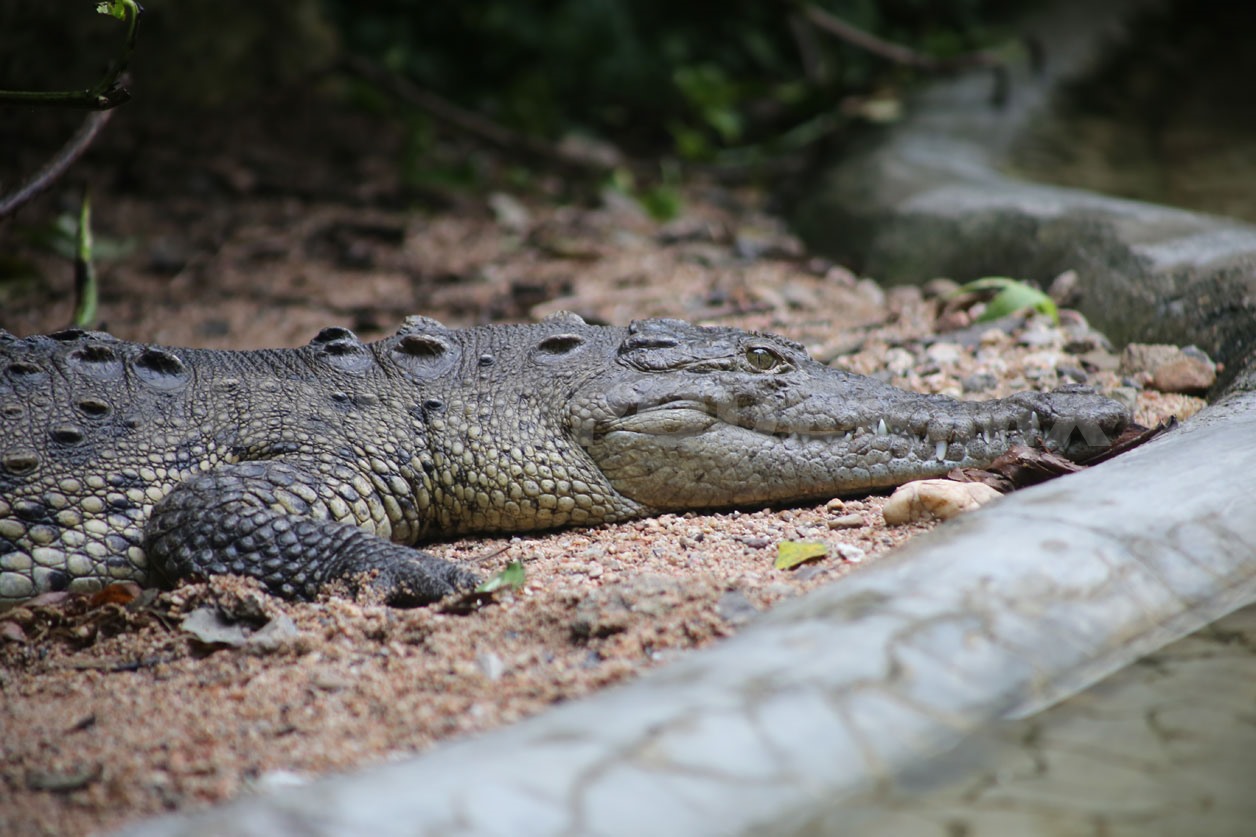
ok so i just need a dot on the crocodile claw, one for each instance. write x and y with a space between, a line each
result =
420 581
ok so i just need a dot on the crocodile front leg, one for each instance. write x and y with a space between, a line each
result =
275 522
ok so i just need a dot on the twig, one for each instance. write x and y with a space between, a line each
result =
809 52
469 122
97 98
55 167
109 92
890 51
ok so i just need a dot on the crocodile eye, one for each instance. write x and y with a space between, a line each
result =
763 359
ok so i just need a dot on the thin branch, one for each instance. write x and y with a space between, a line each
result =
809 52
471 123
94 99
55 167
108 93
891 51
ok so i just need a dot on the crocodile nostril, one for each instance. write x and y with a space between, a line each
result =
66 434
94 407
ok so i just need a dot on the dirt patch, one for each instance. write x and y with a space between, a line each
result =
113 711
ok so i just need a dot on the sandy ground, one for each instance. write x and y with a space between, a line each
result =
113 710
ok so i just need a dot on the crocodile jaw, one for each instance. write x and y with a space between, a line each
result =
712 445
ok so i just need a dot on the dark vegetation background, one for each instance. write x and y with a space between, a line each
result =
655 78
270 99
293 102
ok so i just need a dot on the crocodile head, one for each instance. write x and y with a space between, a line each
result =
692 416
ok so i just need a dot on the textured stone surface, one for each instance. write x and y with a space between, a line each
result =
1162 748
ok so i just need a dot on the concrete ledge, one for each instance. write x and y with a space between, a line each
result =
930 199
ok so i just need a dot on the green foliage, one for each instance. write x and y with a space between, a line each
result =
1010 296
697 77
85 285
61 236
661 200
512 577
120 9
116 8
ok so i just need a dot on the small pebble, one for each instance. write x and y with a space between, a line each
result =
979 382
279 633
1100 360
273 780
1072 373
846 521
1128 396
899 361
935 500
1186 375
944 354
329 681
1037 336
1169 368
735 609
810 571
491 666
850 553
940 288
1064 288
509 211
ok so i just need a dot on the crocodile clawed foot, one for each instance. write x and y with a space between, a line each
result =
421 580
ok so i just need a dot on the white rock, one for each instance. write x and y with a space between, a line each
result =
935 500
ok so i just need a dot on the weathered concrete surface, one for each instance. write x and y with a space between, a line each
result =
888 704
1163 747
931 200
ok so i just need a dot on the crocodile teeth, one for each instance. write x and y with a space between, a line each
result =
882 430
939 450
849 435
1033 422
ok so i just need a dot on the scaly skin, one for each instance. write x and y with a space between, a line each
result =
326 464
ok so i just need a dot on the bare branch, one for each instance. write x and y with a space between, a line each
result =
108 93
891 51
55 167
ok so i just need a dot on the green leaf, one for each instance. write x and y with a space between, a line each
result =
725 121
662 202
85 287
511 577
60 236
790 554
114 8
1011 296
691 144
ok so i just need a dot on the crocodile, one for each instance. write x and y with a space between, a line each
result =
323 466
